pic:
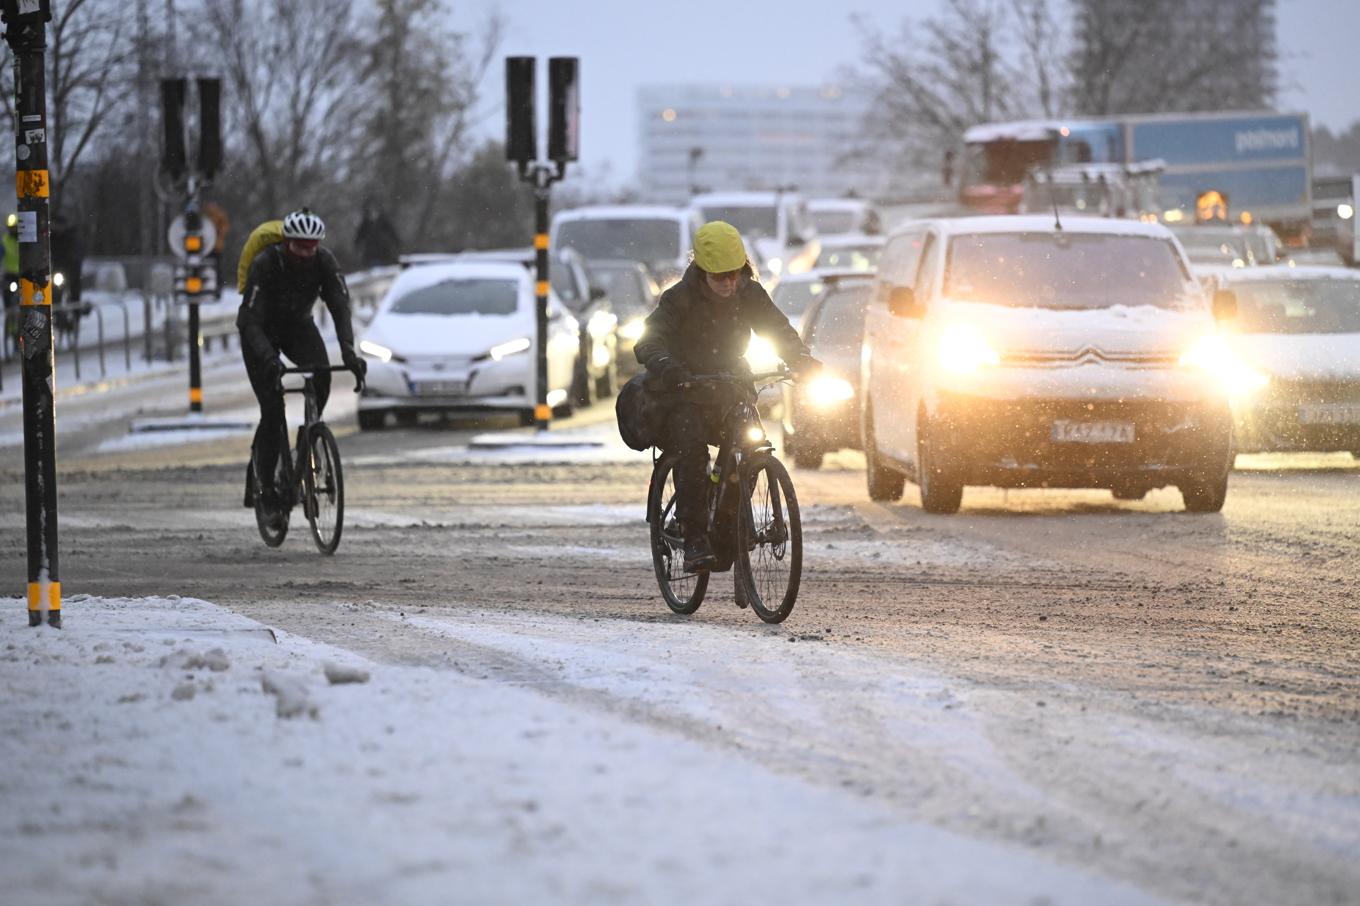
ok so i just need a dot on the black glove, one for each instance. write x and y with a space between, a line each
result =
806 367
354 362
669 372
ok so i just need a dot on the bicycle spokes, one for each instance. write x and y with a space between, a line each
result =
772 537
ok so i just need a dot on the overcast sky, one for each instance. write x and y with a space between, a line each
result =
625 43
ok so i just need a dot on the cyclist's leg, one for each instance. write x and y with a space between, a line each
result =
304 346
272 416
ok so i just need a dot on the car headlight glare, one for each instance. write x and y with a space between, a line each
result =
601 323
510 347
632 331
760 354
377 351
827 390
1214 355
964 349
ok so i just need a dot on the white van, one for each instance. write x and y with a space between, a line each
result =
659 236
1005 351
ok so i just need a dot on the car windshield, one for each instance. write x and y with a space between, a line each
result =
792 297
652 241
456 296
1298 306
1065 270
1213 247
854 257
750 221
828 222
625 287
840 322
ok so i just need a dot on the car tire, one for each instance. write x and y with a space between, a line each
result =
806 456
582 386
526 417
940 486
1129 492
1205 493
884 483
607 384
371 419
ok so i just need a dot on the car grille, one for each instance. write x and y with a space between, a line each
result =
1087 355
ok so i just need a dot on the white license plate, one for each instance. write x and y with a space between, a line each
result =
1330 414
439 388
1070 432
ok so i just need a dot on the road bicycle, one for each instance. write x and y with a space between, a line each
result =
309 474
753 519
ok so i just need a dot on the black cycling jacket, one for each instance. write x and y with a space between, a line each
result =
279 295
709 335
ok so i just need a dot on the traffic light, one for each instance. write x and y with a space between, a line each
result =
564 109
209 127
521 126
173 158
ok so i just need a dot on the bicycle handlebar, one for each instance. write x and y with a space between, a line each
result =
358 381
782 374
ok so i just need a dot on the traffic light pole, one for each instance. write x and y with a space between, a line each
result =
193 288
27 37
543 177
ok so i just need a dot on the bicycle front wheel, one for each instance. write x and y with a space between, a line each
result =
324 485
769 540
683 591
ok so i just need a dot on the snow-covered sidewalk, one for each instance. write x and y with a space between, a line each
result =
166 750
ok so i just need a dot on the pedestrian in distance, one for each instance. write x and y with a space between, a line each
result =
702 325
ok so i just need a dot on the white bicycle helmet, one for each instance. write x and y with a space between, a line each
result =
303 224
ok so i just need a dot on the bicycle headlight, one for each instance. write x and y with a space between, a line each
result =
755 434
58 279
1214 355
963 350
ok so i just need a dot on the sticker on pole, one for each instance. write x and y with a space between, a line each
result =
34 329
28 226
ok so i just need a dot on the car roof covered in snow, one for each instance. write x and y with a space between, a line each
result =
1021 130
1272 272
622 212
1038 223
739 199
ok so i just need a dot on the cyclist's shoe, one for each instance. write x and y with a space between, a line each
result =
271 500
741 595
699 554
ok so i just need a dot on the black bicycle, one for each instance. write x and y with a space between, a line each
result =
309 474
753 520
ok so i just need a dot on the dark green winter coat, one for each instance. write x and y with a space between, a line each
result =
709 335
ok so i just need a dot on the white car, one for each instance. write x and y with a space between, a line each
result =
1003 351
659 236
1299 327
775 225
850 251
460 337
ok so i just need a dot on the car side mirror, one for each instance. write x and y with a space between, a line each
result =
1225 305
795 240
597 293
902 302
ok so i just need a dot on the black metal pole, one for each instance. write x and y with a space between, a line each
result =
27 38
542 193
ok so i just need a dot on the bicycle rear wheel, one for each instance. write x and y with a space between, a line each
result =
683 591
769 540
324 486
273 524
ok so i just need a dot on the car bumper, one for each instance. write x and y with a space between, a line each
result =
1014 443
1315 416
453 387
830 427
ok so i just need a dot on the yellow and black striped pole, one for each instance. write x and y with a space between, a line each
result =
193 291
542 411
26 33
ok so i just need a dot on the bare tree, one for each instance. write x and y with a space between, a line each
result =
1173 55
91 74
291 94
938 77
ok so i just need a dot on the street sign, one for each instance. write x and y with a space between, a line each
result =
176 236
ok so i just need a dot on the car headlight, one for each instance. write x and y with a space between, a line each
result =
601 323
964 350
1214 355
376 350
632 331
827 390
510 347
760 355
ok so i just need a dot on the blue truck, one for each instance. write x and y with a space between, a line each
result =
1259 165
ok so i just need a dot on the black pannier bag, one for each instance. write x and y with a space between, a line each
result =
636 414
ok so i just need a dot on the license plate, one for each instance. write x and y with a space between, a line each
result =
1070 432
439 388
1330 414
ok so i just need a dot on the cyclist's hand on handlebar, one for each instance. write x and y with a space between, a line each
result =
356 365
670 372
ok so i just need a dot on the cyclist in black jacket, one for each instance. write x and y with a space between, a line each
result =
275 317
702 325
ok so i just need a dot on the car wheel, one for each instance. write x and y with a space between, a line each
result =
607 384
884 482
582 385
526 417
371 419
1205 493
941 488
806 456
